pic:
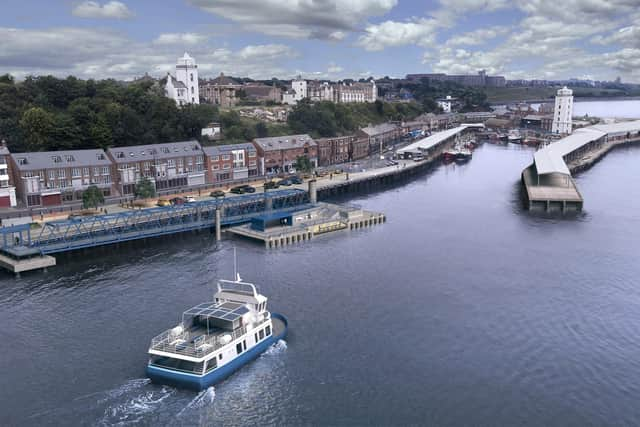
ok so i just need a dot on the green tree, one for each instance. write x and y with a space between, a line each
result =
145 189
37 127
92 197
303 164
261 130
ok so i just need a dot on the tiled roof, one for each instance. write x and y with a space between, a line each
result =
135 153
284 142
215 150
60 159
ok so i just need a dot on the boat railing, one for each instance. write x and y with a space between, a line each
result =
189 344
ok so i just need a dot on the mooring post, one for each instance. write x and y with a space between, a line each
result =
313 193
218 220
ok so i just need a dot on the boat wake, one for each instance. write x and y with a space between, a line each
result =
136 407
204 398
276 348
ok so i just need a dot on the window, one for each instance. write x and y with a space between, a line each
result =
22 161
268 330
96 171
244 344
120 155
191 77
69 158
256 337
85 171
52 173
239 348
75 173
215 158
105 170
215 167
226 157
220 356
226 166
62 173
261 333
56 159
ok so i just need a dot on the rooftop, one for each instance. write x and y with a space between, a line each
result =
60 159
215 150
284 142
155 151
435 139
228 311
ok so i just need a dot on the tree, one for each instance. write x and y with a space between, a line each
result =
303 164
92 197
37 127
145 189
261 130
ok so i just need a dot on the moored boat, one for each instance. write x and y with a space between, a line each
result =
214 339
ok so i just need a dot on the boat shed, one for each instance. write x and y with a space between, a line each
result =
427 145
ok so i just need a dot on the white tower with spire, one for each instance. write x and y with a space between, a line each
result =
187 74
563 112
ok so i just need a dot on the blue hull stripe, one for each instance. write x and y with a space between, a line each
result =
201 382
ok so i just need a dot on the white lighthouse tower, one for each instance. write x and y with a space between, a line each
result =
563 112
187 73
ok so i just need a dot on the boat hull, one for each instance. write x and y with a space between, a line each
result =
200 382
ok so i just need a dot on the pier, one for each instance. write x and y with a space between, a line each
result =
282 229
548 183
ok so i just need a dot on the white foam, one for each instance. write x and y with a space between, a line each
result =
204 398
276 348
132 410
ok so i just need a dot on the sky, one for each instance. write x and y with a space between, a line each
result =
324 39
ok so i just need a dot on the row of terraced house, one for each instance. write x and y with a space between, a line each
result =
43 179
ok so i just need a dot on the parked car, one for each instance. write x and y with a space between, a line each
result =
163 202
190 199
285 182
295 180
177 201
321 173
269 185
238 189
216 193
337 171
249 189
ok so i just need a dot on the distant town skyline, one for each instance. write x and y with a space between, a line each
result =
328 39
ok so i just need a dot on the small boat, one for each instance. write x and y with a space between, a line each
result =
463 155
514 137
216 338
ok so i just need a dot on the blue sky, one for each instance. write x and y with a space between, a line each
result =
598 39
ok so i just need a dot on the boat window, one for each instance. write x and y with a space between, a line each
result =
244 344
261 334
177 364
220 356
268 330
239 348
212 364
256 336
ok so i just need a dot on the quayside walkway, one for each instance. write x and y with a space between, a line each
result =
84 232
548 183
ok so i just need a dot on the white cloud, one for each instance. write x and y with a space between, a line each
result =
420 32
180 39
477 37
627 36
110 10
94 53
321 19
334 69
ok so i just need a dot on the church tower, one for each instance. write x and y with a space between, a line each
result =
187 73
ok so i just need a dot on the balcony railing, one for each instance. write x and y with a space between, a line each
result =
188 343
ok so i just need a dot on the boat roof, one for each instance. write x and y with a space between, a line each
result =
228 310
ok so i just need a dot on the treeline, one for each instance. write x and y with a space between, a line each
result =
426 92
325 119
48 113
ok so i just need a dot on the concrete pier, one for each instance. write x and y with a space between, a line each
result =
21 265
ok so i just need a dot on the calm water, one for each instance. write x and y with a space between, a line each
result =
622 109
461 310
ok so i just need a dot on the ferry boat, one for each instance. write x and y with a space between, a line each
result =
214 339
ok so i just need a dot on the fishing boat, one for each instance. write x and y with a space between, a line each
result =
514 137
214 339
463 155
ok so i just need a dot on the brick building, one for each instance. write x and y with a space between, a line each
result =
279 154
222 91
231 162
380 136
169 166
51 178
334 150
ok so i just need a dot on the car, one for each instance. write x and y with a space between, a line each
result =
249 189
190 199
238 189
269 185
216 193
295 180
163 202
337 171
177 201
321 173
285 182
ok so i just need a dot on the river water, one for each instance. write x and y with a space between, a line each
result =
628 108
462 309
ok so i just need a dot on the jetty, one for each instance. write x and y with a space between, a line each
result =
548 182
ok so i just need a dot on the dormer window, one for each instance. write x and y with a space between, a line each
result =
100 156
56 159
69 158
22 161
165 150
120 155
131 153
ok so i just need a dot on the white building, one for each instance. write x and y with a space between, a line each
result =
183 88
563 112
446 103
289 97
299 85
